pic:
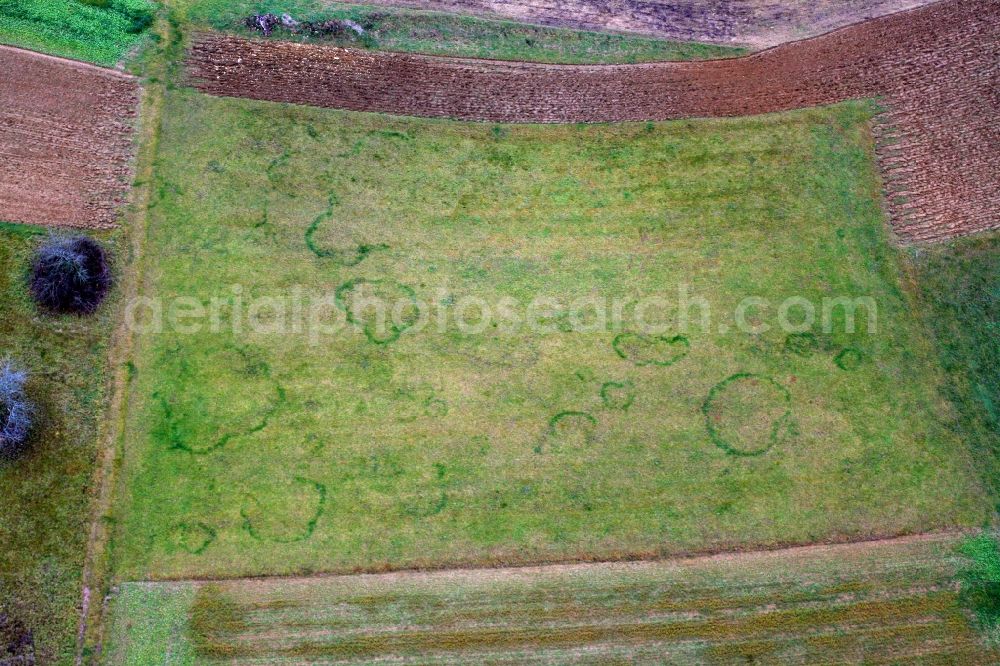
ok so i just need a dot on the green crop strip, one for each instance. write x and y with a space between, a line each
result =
981 581
98 31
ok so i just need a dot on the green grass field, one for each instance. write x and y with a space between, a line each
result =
97 31
259 452
438 33
896 602
958 284
280 449
45 505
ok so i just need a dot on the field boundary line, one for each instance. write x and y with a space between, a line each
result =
803 549
97 567
80 64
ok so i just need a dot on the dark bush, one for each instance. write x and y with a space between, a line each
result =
17 644
265 23
16 410
70 275
139 21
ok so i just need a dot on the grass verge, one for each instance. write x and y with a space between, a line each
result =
959 284
46 492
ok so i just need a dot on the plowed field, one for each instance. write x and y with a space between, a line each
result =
65 140
935 68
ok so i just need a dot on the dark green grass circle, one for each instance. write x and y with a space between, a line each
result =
848 359
553 434
195 537
174 425
618 395
680 342
394 329
340 256
425 506
567 415
778 426
306 532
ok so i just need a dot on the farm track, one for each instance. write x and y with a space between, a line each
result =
754 23
935 69
65 140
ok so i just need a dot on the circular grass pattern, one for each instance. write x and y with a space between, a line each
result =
382 308
424 505
351 255
193 538
284 514
215 396
747 414
618 395
848 359
646 350
570 430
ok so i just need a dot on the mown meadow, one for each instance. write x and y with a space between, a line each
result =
264 449
270 452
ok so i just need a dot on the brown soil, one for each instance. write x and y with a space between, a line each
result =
66 140
755 23
936 69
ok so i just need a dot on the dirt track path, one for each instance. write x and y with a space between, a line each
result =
65 140
754 23
937 70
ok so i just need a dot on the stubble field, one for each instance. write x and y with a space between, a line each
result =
881 603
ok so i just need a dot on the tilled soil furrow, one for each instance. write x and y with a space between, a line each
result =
65 140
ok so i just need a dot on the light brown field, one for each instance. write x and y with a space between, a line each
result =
65 139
